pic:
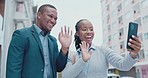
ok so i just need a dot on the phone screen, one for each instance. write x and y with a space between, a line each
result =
132 30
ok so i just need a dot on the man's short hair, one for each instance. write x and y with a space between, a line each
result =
42 7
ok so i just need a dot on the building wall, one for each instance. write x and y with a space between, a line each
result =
116 16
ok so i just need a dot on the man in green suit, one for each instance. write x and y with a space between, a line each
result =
33 52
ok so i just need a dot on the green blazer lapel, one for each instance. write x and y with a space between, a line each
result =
36 36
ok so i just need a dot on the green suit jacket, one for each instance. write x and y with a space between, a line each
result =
25 55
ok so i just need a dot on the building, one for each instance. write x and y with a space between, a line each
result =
18 14
116 15
2 7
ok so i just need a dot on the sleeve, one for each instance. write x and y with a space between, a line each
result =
15 56
61 61
72 70
122 63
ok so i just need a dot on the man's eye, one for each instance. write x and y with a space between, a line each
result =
50 16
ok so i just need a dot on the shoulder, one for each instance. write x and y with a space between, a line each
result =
23 30
104 49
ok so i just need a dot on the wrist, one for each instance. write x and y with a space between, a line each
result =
133 55
65 50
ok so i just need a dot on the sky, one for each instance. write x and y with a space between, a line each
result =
71 11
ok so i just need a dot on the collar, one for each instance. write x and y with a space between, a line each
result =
92 47
39 31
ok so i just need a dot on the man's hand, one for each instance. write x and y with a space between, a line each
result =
134 43
65 38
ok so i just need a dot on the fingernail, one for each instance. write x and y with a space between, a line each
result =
129 43
130 39
133 36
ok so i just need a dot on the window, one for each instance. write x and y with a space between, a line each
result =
126 3
127 15
145 19
114 36
119 8
108 19
19 7
139 24
144 3
121 33
114 25
145 36
107 8
109 40
136 10
146 54
120 21
122 46
19 24
109 28
113 3
140 37
113 14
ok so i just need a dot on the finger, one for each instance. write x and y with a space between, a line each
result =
65 29
135 42
73 59
87 45
136 48
71 33
136 39
82 44
61 30
68 30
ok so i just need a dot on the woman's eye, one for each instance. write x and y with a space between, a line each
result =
91 29
83 29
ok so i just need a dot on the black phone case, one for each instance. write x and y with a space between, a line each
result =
132 30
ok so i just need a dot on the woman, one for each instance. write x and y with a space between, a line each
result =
90 61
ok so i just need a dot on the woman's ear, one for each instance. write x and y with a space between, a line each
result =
76 33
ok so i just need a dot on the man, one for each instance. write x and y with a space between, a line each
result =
33 52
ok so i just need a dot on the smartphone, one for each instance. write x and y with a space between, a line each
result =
132 30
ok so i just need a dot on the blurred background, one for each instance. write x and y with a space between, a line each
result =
109 17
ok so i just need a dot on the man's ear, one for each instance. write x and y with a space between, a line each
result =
39 15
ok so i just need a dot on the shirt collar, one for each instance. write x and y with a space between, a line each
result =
39 31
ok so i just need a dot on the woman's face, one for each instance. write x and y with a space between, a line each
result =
85 31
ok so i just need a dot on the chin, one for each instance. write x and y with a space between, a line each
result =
89 42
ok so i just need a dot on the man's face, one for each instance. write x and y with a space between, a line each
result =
47 19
